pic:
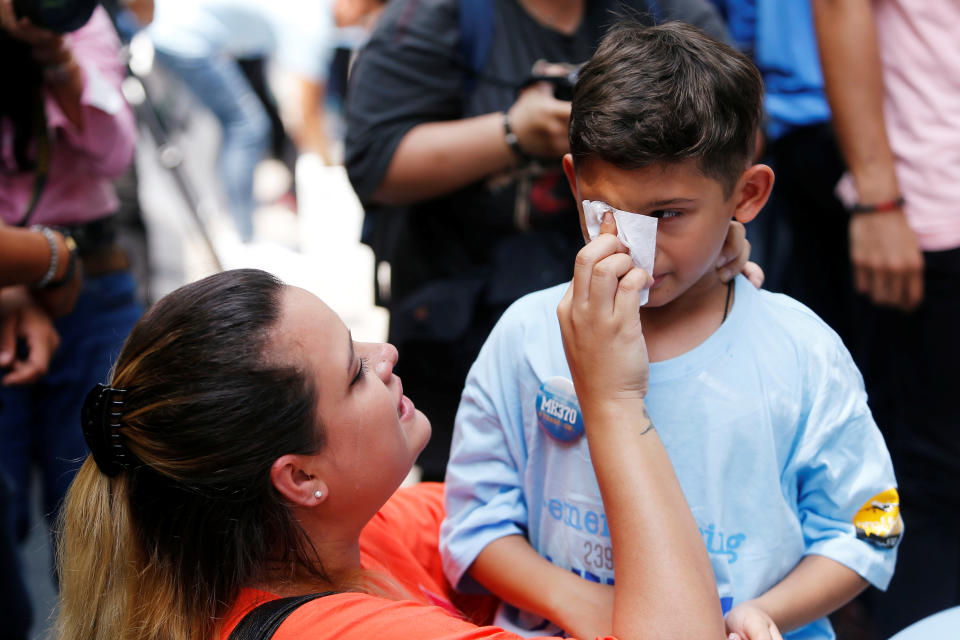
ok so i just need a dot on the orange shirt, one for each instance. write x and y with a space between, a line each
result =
400 542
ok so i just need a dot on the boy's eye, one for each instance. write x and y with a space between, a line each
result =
664 214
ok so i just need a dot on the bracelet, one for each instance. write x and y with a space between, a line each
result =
511 138
71 263
54 255
879 207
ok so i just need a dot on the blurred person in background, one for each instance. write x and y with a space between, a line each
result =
454 146
892 72
201 40
28 341
65 131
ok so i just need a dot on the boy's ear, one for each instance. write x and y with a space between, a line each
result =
572 180
755 186
571 174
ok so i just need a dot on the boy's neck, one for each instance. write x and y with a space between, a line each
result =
686 322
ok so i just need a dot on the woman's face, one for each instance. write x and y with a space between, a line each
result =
373 432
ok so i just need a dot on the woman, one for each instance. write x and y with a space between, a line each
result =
248 449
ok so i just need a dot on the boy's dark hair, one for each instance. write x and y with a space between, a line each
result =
665 94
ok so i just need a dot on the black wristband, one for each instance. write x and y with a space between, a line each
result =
511 138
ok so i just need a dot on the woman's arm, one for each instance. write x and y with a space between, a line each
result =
665 585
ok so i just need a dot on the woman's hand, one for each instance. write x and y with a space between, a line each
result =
735 257
600 321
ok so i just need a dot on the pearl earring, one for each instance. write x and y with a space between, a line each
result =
318 494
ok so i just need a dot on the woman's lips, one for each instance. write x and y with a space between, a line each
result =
404 405
406 408
657 279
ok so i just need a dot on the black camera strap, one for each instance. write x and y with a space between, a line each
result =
42 169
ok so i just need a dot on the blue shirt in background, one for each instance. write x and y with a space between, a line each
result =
780 37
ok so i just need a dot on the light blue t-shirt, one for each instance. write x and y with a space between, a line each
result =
766 424
297 33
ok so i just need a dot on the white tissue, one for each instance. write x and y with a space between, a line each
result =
638 232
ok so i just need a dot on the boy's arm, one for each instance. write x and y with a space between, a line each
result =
512 570
817 586
485 497
846 503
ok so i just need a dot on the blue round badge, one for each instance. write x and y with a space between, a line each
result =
558 411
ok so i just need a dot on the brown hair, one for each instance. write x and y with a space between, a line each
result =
161 549
666 94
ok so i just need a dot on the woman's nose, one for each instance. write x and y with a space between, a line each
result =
384 357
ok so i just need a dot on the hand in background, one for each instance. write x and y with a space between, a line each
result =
20 317
541 122
748 622
887 262
47 45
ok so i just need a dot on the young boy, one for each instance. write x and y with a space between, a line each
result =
759 405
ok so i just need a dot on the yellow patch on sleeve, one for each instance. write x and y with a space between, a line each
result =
878 521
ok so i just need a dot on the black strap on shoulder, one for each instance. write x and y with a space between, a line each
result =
262 622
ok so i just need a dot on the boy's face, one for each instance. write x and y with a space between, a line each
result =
693 217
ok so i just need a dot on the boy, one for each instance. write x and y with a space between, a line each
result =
757 401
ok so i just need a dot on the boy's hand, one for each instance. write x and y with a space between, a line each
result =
600 321
590 613
735 257
749 622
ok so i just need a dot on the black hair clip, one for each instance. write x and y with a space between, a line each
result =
100 418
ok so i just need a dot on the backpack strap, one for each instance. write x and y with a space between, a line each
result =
263 621
476 37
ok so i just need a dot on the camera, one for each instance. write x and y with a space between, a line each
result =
562 84
60 16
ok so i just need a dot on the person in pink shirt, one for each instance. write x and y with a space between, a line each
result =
892 72
65 132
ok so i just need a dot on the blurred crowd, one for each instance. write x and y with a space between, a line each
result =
450 118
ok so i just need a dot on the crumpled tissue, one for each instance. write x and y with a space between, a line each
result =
637 231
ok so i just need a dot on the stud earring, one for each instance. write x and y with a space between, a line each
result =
318 494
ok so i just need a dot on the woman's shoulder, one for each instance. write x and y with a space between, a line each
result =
361 615
358 615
